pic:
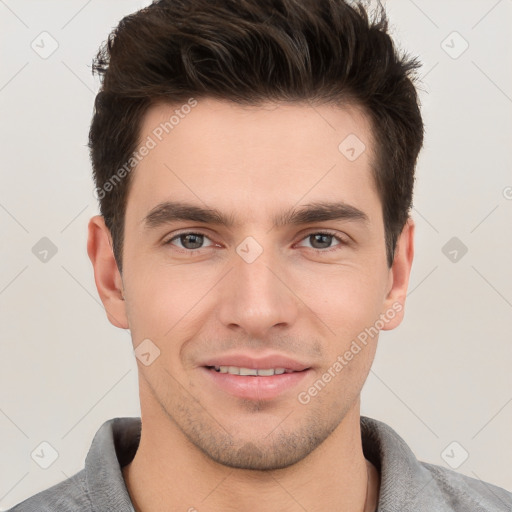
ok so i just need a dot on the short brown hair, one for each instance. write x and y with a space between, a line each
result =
249 52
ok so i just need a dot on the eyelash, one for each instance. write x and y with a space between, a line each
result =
342 241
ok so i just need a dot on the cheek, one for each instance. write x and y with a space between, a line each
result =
164 299
348 300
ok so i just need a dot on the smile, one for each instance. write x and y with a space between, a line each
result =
254 383
263 372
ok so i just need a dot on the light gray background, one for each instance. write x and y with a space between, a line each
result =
442 376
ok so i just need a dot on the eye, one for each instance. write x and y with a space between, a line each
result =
321 241
189 241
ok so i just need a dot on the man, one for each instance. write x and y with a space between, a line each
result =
254 162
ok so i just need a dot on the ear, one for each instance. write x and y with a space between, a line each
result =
106 274
399 273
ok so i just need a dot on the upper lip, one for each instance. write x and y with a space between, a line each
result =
265 362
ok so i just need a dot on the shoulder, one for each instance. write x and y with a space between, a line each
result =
462 493
408 484
100 485
69 495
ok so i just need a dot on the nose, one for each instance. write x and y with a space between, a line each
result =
258 296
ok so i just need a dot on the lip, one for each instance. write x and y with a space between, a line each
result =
255 387
263 362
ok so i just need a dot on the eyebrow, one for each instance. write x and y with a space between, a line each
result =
171 211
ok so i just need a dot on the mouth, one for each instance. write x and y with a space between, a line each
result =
256 383
251 372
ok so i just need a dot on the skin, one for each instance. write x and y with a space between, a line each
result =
202 448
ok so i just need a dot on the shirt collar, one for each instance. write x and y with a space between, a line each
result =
403 479
113 447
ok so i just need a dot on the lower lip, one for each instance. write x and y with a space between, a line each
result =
256 387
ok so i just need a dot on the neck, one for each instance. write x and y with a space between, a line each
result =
170 473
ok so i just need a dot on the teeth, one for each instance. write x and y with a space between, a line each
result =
248 371
266 373
235 370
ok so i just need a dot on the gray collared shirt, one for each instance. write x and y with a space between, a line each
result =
407 485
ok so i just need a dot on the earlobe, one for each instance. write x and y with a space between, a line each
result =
106 273
399 277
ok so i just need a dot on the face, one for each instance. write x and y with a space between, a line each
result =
253 241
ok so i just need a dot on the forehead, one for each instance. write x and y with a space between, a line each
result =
289 128
252 157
